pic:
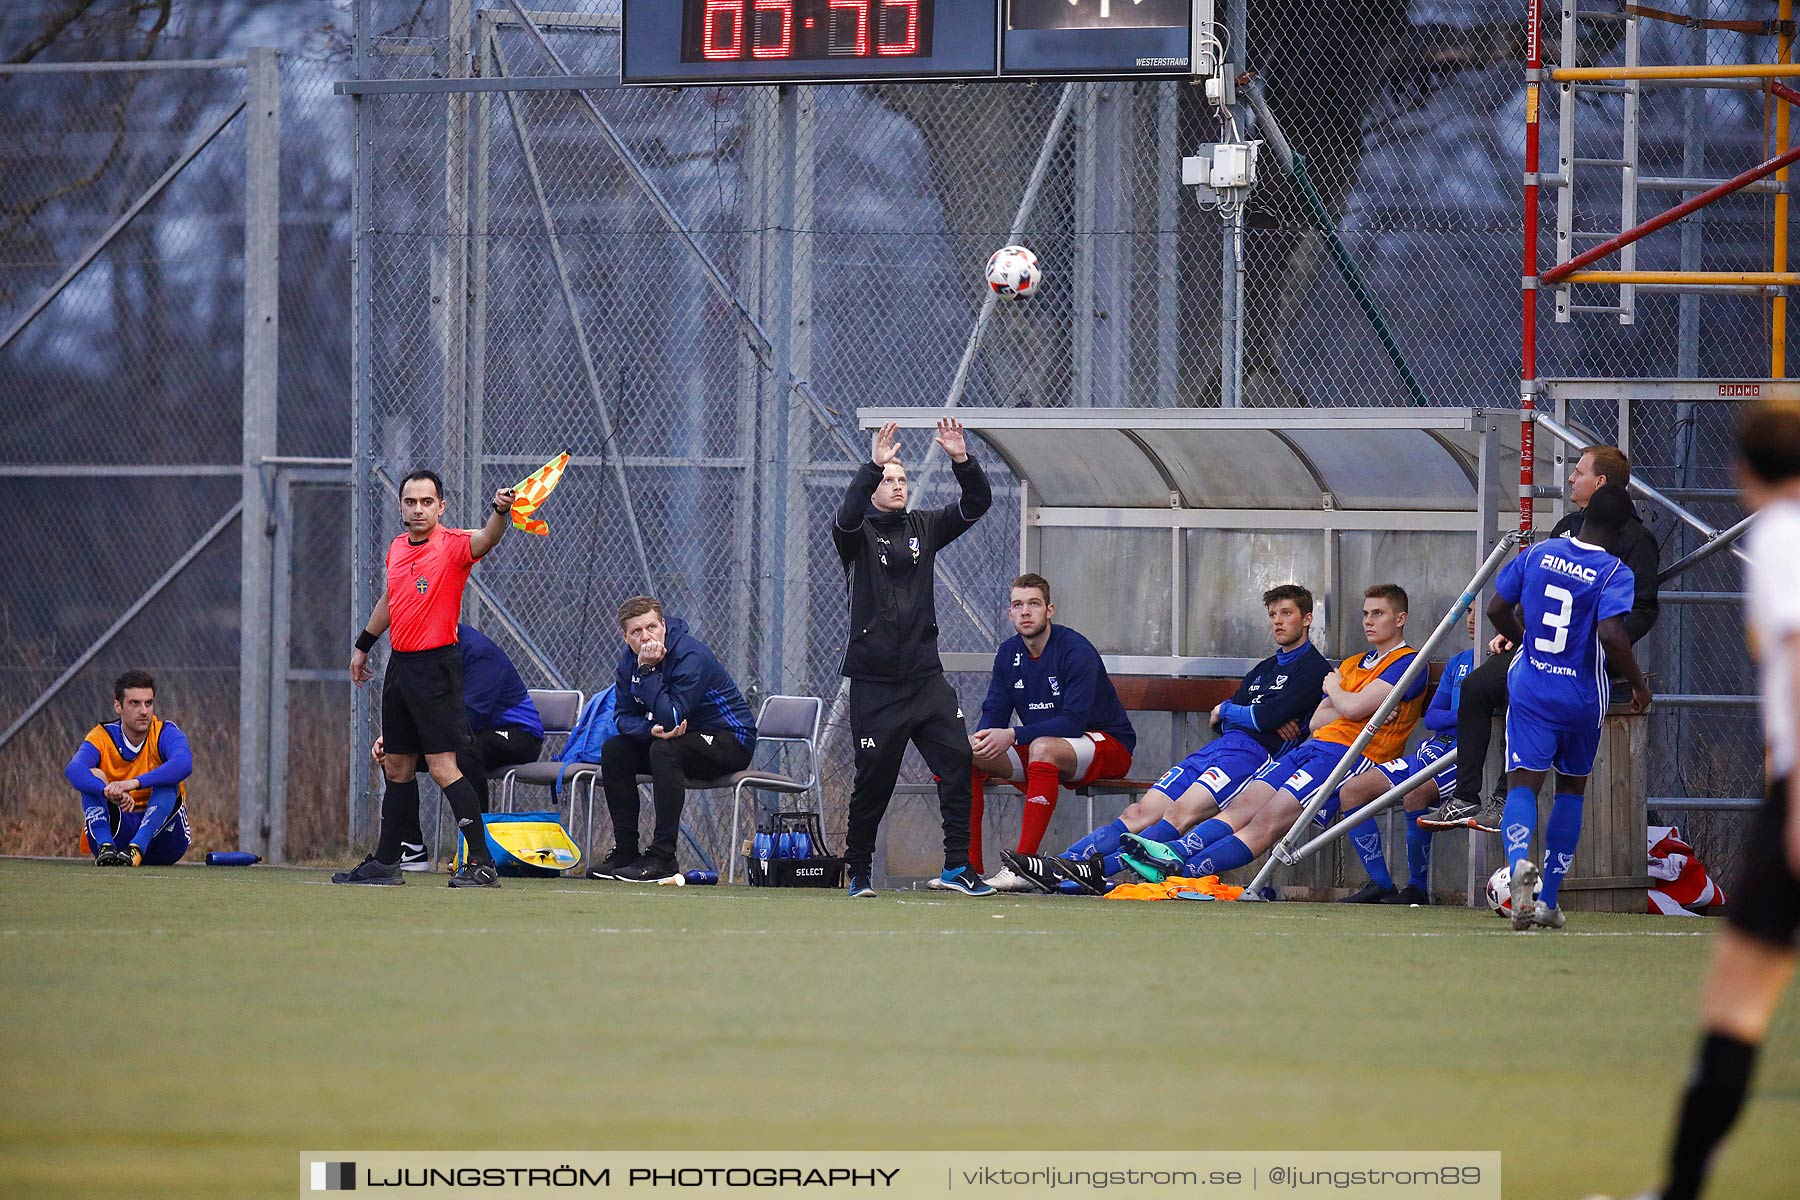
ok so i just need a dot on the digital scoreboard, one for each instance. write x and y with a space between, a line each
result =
800 41
821 41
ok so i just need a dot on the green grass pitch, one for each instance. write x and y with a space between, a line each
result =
188 1031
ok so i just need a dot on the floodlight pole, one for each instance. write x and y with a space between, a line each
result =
1420 663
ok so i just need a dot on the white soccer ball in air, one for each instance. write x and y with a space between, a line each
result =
1013 272
1499 891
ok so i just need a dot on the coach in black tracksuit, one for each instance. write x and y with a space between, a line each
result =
1484 691
898 692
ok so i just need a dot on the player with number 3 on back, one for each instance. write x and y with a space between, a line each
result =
1573 593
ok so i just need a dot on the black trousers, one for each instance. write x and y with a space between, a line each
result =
488 752
884 717
670 763
1483 698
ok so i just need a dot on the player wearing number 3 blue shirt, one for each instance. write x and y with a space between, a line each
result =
1572 593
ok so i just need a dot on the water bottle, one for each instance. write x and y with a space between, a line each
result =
803 844
784 845
231 858
703 878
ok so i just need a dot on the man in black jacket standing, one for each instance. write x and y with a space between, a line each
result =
1484 691
898 693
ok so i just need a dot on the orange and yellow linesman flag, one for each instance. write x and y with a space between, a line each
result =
532 491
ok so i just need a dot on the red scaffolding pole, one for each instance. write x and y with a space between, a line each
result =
1528 282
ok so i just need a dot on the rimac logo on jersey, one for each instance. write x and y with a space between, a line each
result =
1563 566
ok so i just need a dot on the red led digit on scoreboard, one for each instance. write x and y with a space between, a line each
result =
904 13
783 44
729 14
859 10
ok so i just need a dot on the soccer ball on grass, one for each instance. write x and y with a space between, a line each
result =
1012 272
1499 891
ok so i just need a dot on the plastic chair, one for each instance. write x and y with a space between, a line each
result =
789 720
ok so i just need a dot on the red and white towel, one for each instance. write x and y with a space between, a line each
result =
1679 882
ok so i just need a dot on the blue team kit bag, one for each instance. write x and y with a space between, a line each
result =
592 729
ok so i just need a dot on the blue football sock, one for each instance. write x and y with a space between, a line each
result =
1226 854
1366 837
1081 847
165 800
1104 840
1111 864
1418 853
1561 832
1203 835
1516 824
1160 831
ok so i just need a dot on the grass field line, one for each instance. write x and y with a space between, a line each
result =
665 930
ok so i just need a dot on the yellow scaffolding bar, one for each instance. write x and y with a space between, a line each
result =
1701 278
1779 70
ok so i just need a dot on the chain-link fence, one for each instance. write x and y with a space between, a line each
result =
692 290
124 203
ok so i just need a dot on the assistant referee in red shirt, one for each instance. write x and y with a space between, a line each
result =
422 698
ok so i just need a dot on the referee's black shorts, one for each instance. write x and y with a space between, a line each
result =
422 702
1764 903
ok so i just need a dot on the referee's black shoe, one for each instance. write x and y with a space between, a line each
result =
474 874
372 872
1369 893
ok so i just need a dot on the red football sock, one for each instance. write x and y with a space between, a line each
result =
1041 781
977 801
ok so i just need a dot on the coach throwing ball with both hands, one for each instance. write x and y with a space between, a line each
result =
422 697
898 693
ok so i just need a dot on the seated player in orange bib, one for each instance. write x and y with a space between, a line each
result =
1268 805
131 774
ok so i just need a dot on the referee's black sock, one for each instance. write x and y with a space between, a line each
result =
1715 1093
465 805
399 811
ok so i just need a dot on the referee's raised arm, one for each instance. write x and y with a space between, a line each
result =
488 536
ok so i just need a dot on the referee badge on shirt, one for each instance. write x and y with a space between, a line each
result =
420 584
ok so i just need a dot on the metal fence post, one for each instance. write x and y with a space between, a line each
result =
1231 289
280 640
257 676
776 136
461 478
1100 299
362 482
790 664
